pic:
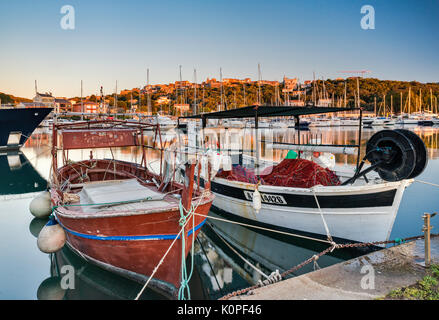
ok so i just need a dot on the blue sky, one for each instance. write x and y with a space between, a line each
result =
119 40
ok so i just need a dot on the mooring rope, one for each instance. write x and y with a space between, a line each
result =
239 255
429 183
185 278
328 234
169 249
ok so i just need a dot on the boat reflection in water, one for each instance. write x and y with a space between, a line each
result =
18 176
89 281
222 266
19 179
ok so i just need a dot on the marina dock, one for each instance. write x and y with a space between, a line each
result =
367 277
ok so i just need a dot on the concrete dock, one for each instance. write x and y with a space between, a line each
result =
367 277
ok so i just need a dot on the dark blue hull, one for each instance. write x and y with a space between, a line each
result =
17 125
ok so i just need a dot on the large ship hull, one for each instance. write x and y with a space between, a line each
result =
17 125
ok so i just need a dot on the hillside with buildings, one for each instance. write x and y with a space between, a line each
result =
185 97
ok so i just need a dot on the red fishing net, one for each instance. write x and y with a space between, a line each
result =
238 173
299 173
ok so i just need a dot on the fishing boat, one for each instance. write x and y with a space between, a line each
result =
356 206
119 215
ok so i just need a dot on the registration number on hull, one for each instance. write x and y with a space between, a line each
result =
266 198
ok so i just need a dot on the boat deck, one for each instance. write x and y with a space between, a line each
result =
118 196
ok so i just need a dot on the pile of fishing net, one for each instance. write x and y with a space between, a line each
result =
299 173
238 173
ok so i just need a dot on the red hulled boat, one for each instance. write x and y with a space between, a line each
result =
119 215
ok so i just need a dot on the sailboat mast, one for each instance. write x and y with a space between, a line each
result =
243 86
345 93
375 106
259 84
115 101
221 89
148 97
82 105
195 91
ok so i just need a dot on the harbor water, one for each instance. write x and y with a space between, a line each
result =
227 256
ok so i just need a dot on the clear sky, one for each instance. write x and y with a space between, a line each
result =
119 40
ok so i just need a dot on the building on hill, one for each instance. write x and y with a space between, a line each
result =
163 100
182 84
90 107
267 82
234 82
211 83
45 98
62 105
289 84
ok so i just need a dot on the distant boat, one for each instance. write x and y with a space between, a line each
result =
18 124
165 123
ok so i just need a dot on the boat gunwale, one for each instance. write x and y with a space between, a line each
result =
318 189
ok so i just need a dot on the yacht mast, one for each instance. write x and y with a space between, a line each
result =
195 91
115 100
82 105
221 89
345 94
375 106
259 85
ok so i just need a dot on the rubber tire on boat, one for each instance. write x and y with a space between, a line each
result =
403 162
420 149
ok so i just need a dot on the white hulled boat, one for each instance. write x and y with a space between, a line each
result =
355 209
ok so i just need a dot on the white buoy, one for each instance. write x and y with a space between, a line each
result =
51 238
257 200
41 206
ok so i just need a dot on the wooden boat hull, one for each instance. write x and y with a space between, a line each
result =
129 240
133 244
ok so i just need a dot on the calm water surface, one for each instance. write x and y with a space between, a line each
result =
26 273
